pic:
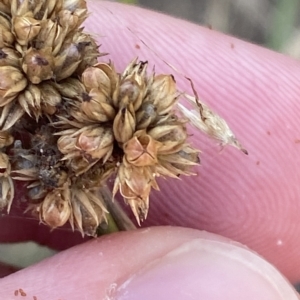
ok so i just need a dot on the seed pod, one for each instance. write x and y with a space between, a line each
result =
88 50
6 192
134 184
5 167
30 100
25 28
101 76
163 93
50 98
10 114
68 20
67 143
70 88
172 137
124 124
73 5
131 89
97 142
146 115
9 57
67 61
12 81
55 210
80 165
97 106
38 65
88 211
51 35
141 150
6 37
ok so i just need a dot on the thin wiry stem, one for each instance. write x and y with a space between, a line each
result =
119 216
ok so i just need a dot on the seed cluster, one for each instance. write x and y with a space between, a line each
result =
68 123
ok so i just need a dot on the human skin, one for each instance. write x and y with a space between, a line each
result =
250 199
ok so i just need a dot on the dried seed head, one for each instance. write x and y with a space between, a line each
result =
26 28
141 150
171 136
124 124
9 57
163 93
50 98
97 107
97 142
30 100
67 143
38 65
55 210
6 37
12 81
101 76
70 88
83 121
135 185
88 211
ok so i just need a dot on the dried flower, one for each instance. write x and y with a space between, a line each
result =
69 123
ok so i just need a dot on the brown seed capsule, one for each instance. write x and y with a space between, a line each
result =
163 93
141 150
97 142
9 57
55 209
6 37
124 124
131 89
25 28
67 61
88 211
172 137
70 88
88 50
97 106
10 114
100 76
50 36
12 81
30 100
67 143
38 65
134 184
146 115
50 97
68 20
73 5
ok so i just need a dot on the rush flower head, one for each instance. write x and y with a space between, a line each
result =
69 123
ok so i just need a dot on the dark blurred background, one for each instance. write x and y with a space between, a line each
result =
272 23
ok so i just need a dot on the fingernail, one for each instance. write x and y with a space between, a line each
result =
210 270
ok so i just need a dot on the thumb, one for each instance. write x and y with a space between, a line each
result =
155 263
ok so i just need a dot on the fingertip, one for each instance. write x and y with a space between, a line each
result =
206 269
156 263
